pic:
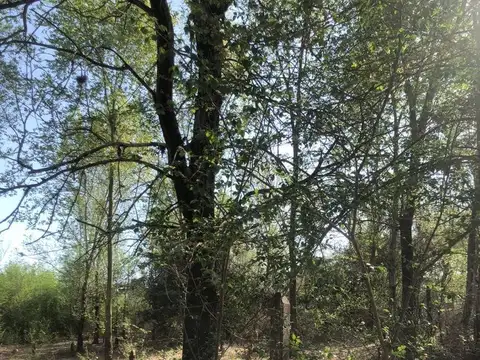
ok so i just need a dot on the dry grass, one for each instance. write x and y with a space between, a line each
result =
61 351
232 353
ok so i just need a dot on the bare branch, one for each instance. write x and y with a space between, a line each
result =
11 5
67 51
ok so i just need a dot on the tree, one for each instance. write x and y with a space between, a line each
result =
282 125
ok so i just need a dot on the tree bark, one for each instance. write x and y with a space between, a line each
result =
202 297
194 181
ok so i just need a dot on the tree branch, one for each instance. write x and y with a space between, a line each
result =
132 71
142 6
11 5
94 150
67 51
79 168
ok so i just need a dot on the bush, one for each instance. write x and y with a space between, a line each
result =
32 305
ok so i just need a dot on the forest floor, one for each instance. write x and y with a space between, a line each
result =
61 351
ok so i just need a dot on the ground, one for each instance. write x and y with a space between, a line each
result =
61 351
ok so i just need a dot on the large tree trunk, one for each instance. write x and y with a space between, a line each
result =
202 298
194 182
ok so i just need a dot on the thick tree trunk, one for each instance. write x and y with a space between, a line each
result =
202 297
195 182
199 337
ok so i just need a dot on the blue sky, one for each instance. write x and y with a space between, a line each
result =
11 240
